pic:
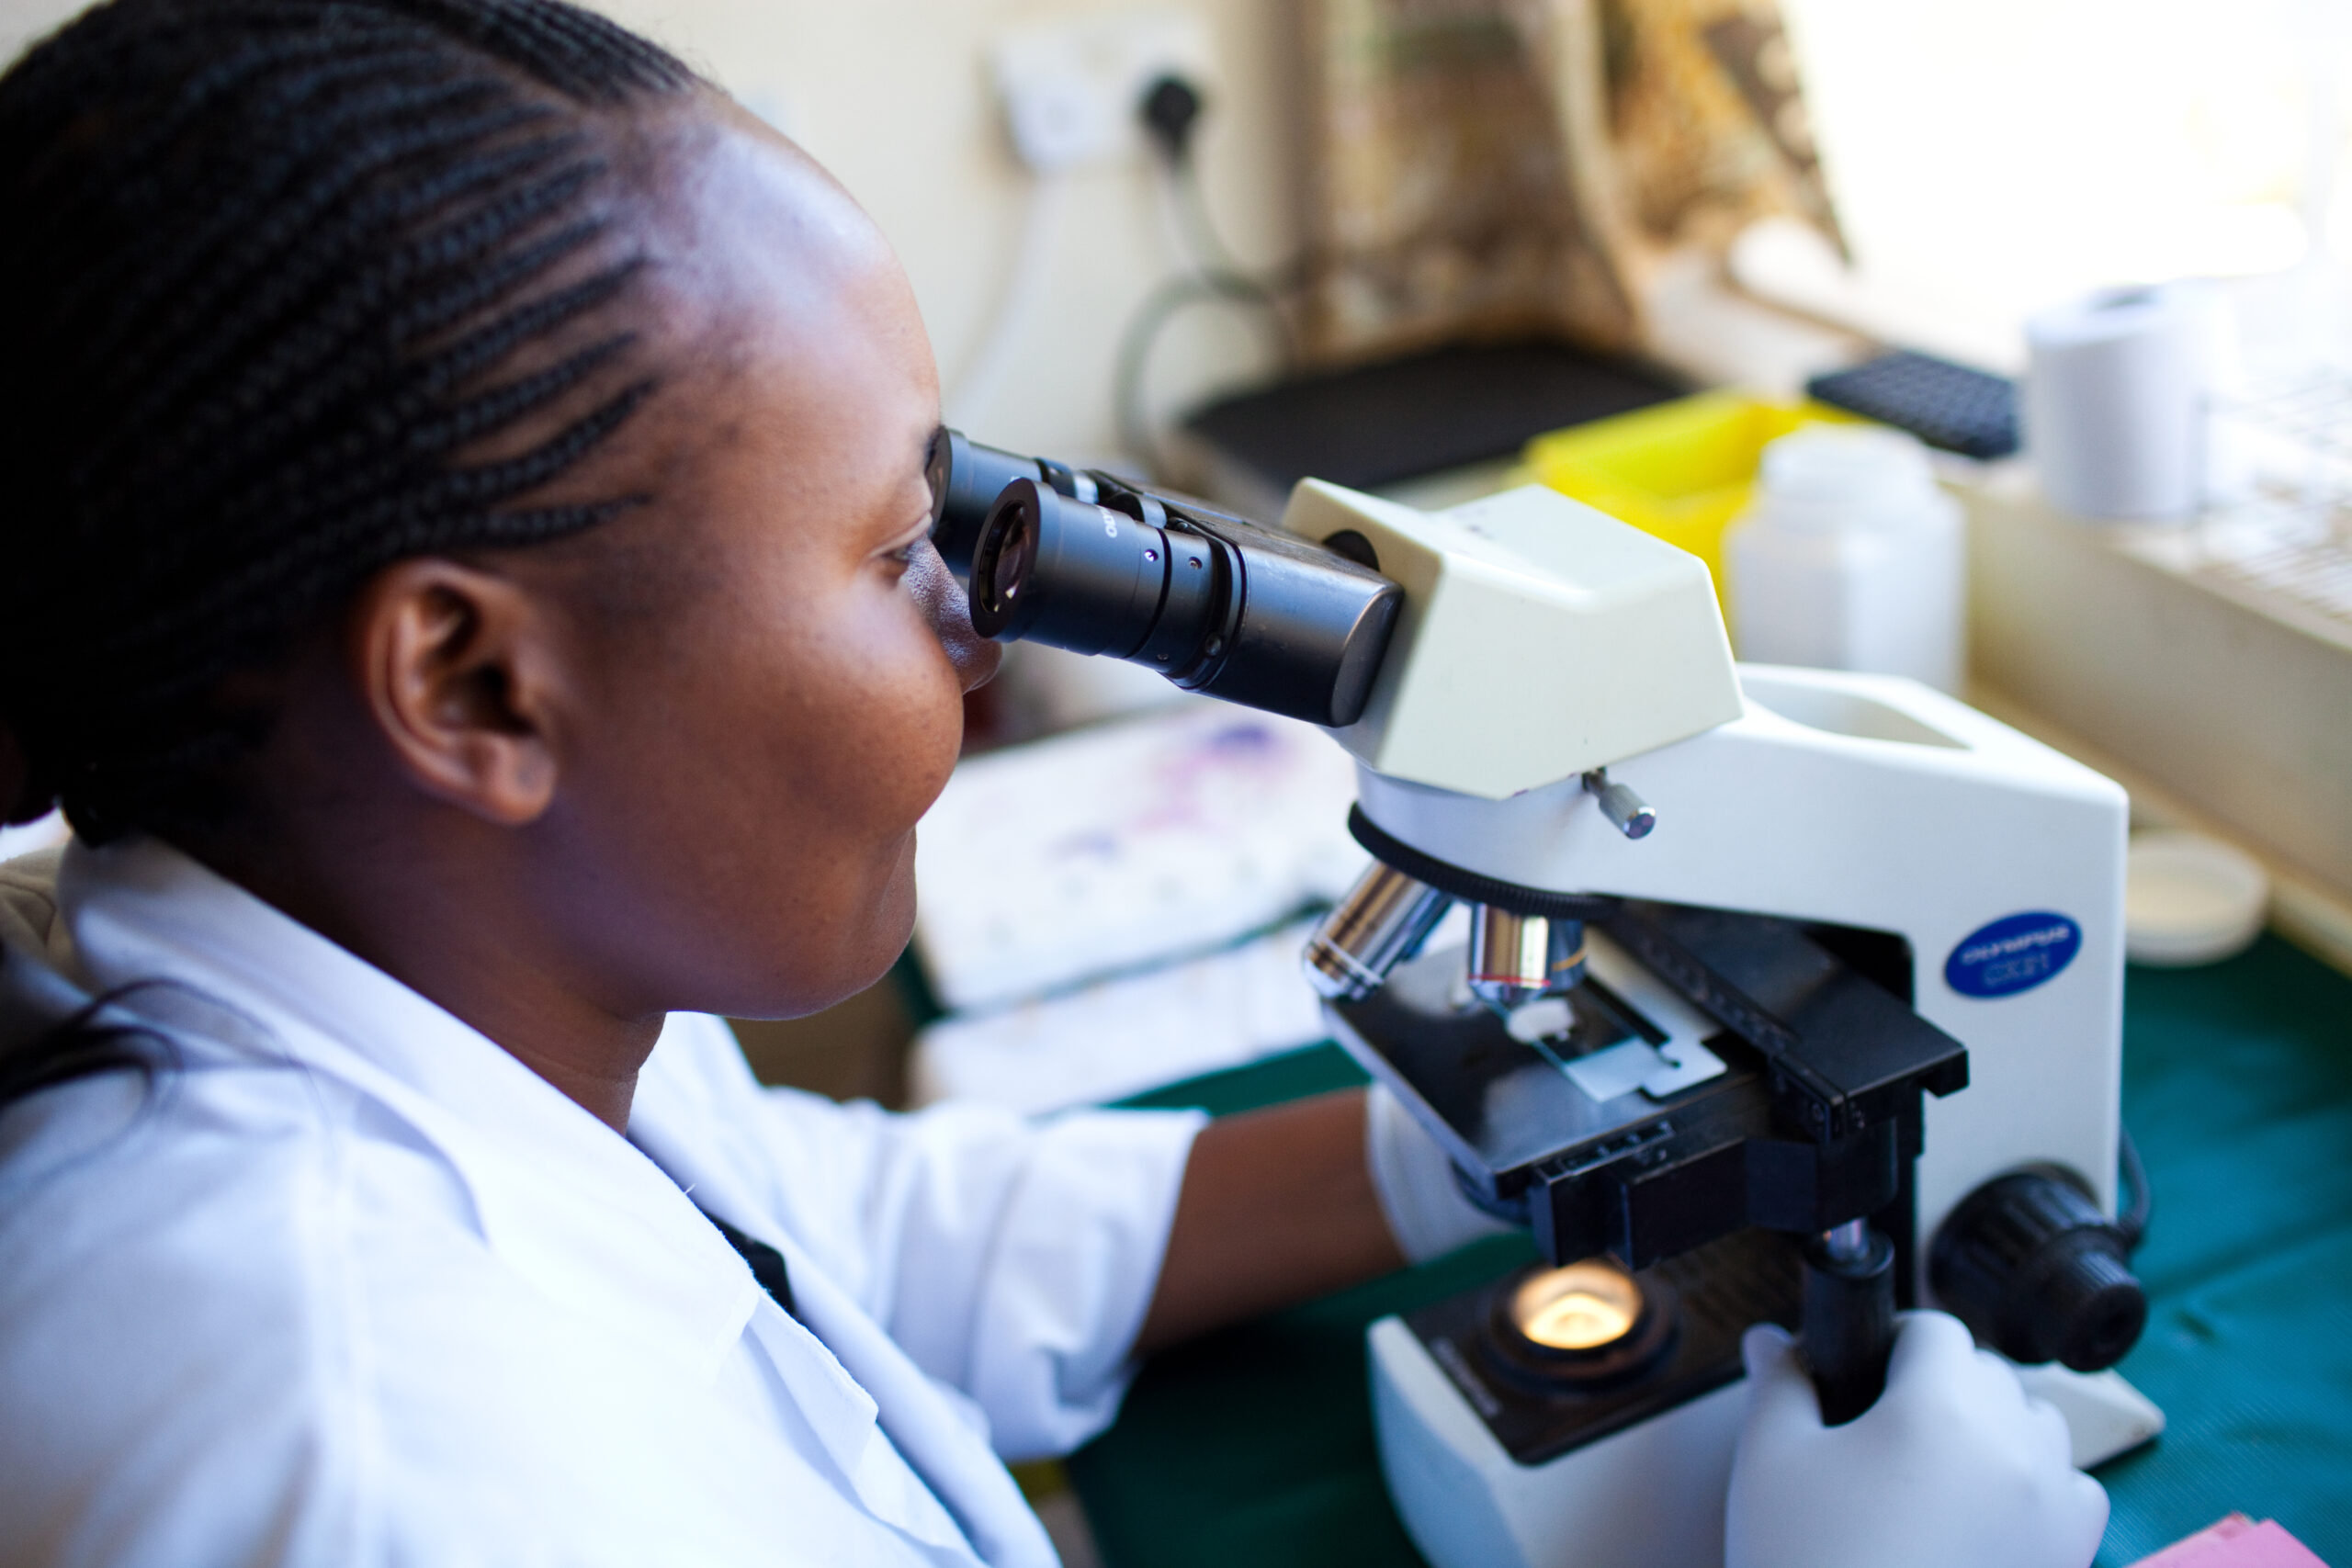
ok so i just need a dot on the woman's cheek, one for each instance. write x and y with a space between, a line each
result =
930 691
893 742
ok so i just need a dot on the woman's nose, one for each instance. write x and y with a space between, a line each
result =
975 657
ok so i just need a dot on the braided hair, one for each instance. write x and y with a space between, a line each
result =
268 271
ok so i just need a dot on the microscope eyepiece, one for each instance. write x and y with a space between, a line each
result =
966 478
1005 573
1072 574
1087 562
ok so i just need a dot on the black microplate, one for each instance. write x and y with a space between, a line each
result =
1971 412
1398 419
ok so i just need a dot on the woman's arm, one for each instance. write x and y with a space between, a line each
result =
1277 1206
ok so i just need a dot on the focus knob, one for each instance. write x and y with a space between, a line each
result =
2038 1273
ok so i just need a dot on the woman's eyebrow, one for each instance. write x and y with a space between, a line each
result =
906 529
923 466
930 445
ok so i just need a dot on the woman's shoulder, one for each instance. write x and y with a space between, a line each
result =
170 1344
246 1315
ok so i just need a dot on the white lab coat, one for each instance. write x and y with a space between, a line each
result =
352 1285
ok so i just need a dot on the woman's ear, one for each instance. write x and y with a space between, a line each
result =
464 675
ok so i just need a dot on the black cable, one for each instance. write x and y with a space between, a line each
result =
2133 1222
1170 111
1163 305
1194 224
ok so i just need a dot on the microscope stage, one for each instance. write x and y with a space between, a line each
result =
1506 1103
1772 1084
1622 1030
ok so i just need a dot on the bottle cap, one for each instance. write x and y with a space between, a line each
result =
1834 479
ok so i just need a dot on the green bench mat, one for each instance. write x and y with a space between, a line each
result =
1255 1446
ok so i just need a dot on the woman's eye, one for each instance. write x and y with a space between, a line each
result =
906 555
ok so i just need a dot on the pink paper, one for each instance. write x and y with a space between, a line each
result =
2235 1542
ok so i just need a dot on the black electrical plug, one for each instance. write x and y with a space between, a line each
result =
1169 109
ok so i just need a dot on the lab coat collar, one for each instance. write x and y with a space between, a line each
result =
602 1225
559 1197
36 992
934 1426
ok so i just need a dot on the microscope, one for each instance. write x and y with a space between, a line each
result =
1782 995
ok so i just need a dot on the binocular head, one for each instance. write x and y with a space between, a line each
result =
1083 561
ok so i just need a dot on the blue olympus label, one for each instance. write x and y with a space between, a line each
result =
2013 953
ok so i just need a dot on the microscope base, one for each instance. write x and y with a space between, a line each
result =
1649 1496
2105 1416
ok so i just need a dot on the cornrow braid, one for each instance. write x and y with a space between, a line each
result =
267 268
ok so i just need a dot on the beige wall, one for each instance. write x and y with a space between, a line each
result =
894 97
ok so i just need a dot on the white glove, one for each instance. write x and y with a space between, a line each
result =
1953 1467
1414 1180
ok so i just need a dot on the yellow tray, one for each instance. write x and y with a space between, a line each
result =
1680 471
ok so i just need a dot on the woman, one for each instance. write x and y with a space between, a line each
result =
472 598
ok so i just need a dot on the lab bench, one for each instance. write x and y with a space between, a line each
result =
1255 1444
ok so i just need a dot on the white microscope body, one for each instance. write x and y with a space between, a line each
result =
1542 641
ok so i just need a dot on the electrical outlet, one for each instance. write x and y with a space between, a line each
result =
1072 89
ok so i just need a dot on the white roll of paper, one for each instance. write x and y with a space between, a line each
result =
2115 401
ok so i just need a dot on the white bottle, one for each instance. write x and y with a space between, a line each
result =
1851 557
